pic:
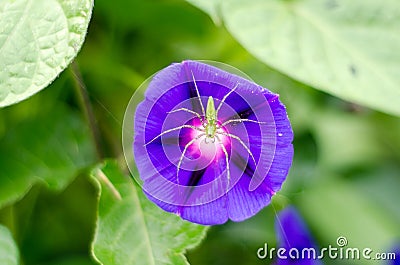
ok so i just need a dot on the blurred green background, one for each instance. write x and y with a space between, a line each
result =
345 177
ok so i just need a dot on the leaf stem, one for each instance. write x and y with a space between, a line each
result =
83 97
103 178
7 217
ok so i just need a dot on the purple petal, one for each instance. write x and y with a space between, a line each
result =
202 189
243 203
396 251
292 233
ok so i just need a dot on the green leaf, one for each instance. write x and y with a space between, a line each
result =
9 254
347 211
132 230
38 39
346 48
49 149
55 228
355 141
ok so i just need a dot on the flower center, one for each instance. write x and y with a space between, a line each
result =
208 146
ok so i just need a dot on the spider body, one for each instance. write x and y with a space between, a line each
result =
210 127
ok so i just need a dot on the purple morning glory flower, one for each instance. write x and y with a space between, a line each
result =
292 233
210 145
396 251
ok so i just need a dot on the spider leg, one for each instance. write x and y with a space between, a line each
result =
198 95
183 154
224 98
241 142
174 129
226 161
241 120
189 111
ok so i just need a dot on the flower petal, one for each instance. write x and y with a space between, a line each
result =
396 251
184 174
292 233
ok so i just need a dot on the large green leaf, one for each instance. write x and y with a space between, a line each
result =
347 48
48 149
355 141
347 212
38 39
9 254
132 230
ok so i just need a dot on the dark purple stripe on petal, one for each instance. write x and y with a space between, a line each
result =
245 113
195 177
194 99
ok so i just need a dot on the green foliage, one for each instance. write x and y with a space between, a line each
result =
38 39
132 230
346 48
370 218
49 149
54 227
9 254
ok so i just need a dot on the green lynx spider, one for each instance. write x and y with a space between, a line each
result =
211 128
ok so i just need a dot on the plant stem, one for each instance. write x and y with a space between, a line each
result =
103 178
83 97
7 218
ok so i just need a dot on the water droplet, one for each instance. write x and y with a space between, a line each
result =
280 134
